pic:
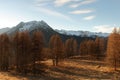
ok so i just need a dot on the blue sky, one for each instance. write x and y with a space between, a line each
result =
88 15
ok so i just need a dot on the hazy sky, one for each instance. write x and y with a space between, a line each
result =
89 15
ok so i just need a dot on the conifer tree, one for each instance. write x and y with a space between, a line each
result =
97 42
113 49
22 46
4 52
16 50
37 46
83 48
75 47
91 47
69 47
56 47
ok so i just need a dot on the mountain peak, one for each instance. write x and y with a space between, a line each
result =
33 25
30 26
42 21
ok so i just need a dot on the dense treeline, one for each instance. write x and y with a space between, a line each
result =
21 52
96 49
25 53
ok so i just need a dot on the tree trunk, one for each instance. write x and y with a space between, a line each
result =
53 62
115 66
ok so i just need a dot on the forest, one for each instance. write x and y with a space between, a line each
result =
25 54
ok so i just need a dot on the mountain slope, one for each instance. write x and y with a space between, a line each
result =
4 30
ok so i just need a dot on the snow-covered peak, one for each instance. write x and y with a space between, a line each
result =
33 25
83 33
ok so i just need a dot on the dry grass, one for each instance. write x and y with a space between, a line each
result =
8 76
70 69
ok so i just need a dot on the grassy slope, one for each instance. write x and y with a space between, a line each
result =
71 69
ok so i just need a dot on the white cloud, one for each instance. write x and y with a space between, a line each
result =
56 3
41 6
87 2
89 17
81 11
61 2
42 2
74 5
53 13
84 2
104 28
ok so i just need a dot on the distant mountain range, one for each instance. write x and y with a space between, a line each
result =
48 31
33 25
83 33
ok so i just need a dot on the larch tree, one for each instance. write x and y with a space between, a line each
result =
113 49
75 47
1 54
22 50
83 48
97 42
102 44
37 46
91 47
69 47
56 47
4 52
16 50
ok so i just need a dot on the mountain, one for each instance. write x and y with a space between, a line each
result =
83 33
48 31
44 27
30 26
33 26
3 30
